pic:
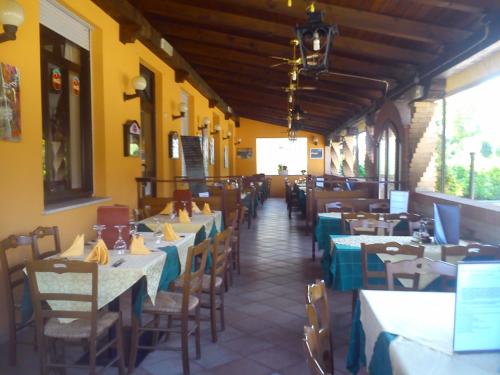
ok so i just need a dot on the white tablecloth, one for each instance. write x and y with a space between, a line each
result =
197 221
182 245
424 323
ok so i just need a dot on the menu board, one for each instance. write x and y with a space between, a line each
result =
477 307
399 201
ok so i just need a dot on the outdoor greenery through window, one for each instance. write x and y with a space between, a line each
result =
472 132
272 152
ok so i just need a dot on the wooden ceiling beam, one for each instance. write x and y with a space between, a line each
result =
341 44
342 16
467 6
337 63
284 123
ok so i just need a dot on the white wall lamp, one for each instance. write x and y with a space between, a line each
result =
139 84
182 111
217 129
204 123
11 17
228 136
238 141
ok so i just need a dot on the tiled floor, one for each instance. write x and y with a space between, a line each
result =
264 309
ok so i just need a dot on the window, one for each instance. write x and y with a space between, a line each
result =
67 129
471 135
361 153
272 152
184 128
388 161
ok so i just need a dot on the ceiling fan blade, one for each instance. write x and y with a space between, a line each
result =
310 88
279 58
278 64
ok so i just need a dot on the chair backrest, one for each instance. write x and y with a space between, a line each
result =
42 232
318 315
471 251
181 196
374 275
413 268
111 216
196 261
12 262
338 207
378 207
347 217
311 348
220 252
83 303
371 226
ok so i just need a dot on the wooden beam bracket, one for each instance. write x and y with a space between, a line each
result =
212 103
129 32
181 75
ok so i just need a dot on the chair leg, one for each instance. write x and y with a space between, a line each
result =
92 357
238 255
43 354
185 345
12 344
313 250
134 342
222 323
198 333
156 334
119 346
213 316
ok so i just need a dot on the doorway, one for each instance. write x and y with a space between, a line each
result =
148 129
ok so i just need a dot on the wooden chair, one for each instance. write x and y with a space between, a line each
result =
12 262
88 327
371 226
183 306
412 269
347 217
185 196
380 207
338 207
213 283
236 224
374 274
471 251
311 349
318 315
42 232
412 219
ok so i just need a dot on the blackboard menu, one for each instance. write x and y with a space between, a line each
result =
193 157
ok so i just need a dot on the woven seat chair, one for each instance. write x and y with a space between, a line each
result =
90 327
39 234
347 217
184 307
471 251
371 226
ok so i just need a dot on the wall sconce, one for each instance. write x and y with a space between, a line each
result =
217 129
11 17
182 110
315 140
204 123
139 84
228 136
238 141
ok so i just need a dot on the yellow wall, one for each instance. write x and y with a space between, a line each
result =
250 130
483 70
113 66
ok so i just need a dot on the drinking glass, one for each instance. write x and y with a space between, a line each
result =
120 243
158 233
99 228
134 231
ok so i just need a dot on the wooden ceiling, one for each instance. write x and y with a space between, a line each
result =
229 43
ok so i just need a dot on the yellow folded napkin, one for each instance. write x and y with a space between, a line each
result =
99 253
206 209
184 217
195 208
76 248
169 208
137 246
169 233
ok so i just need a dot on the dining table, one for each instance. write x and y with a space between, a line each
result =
410 333
342 267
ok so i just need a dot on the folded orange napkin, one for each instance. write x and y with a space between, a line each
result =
169 208
169 233
76 248
99 253
195 208
206 209
184 217
137 246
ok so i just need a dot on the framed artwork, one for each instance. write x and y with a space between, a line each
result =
131 138
316 153
211 145
10 103
244 153
226 157
173 145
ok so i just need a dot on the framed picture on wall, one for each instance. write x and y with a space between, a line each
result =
212 150
226 157
316 153
131 138
244 153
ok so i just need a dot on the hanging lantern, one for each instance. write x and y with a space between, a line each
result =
315 39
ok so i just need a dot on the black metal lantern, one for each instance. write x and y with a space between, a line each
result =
315 40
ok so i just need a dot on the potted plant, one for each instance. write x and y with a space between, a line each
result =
282 170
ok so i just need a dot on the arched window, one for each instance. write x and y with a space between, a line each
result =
388 159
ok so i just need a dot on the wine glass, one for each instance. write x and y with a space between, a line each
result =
99 228
134 231
120 243
158 233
